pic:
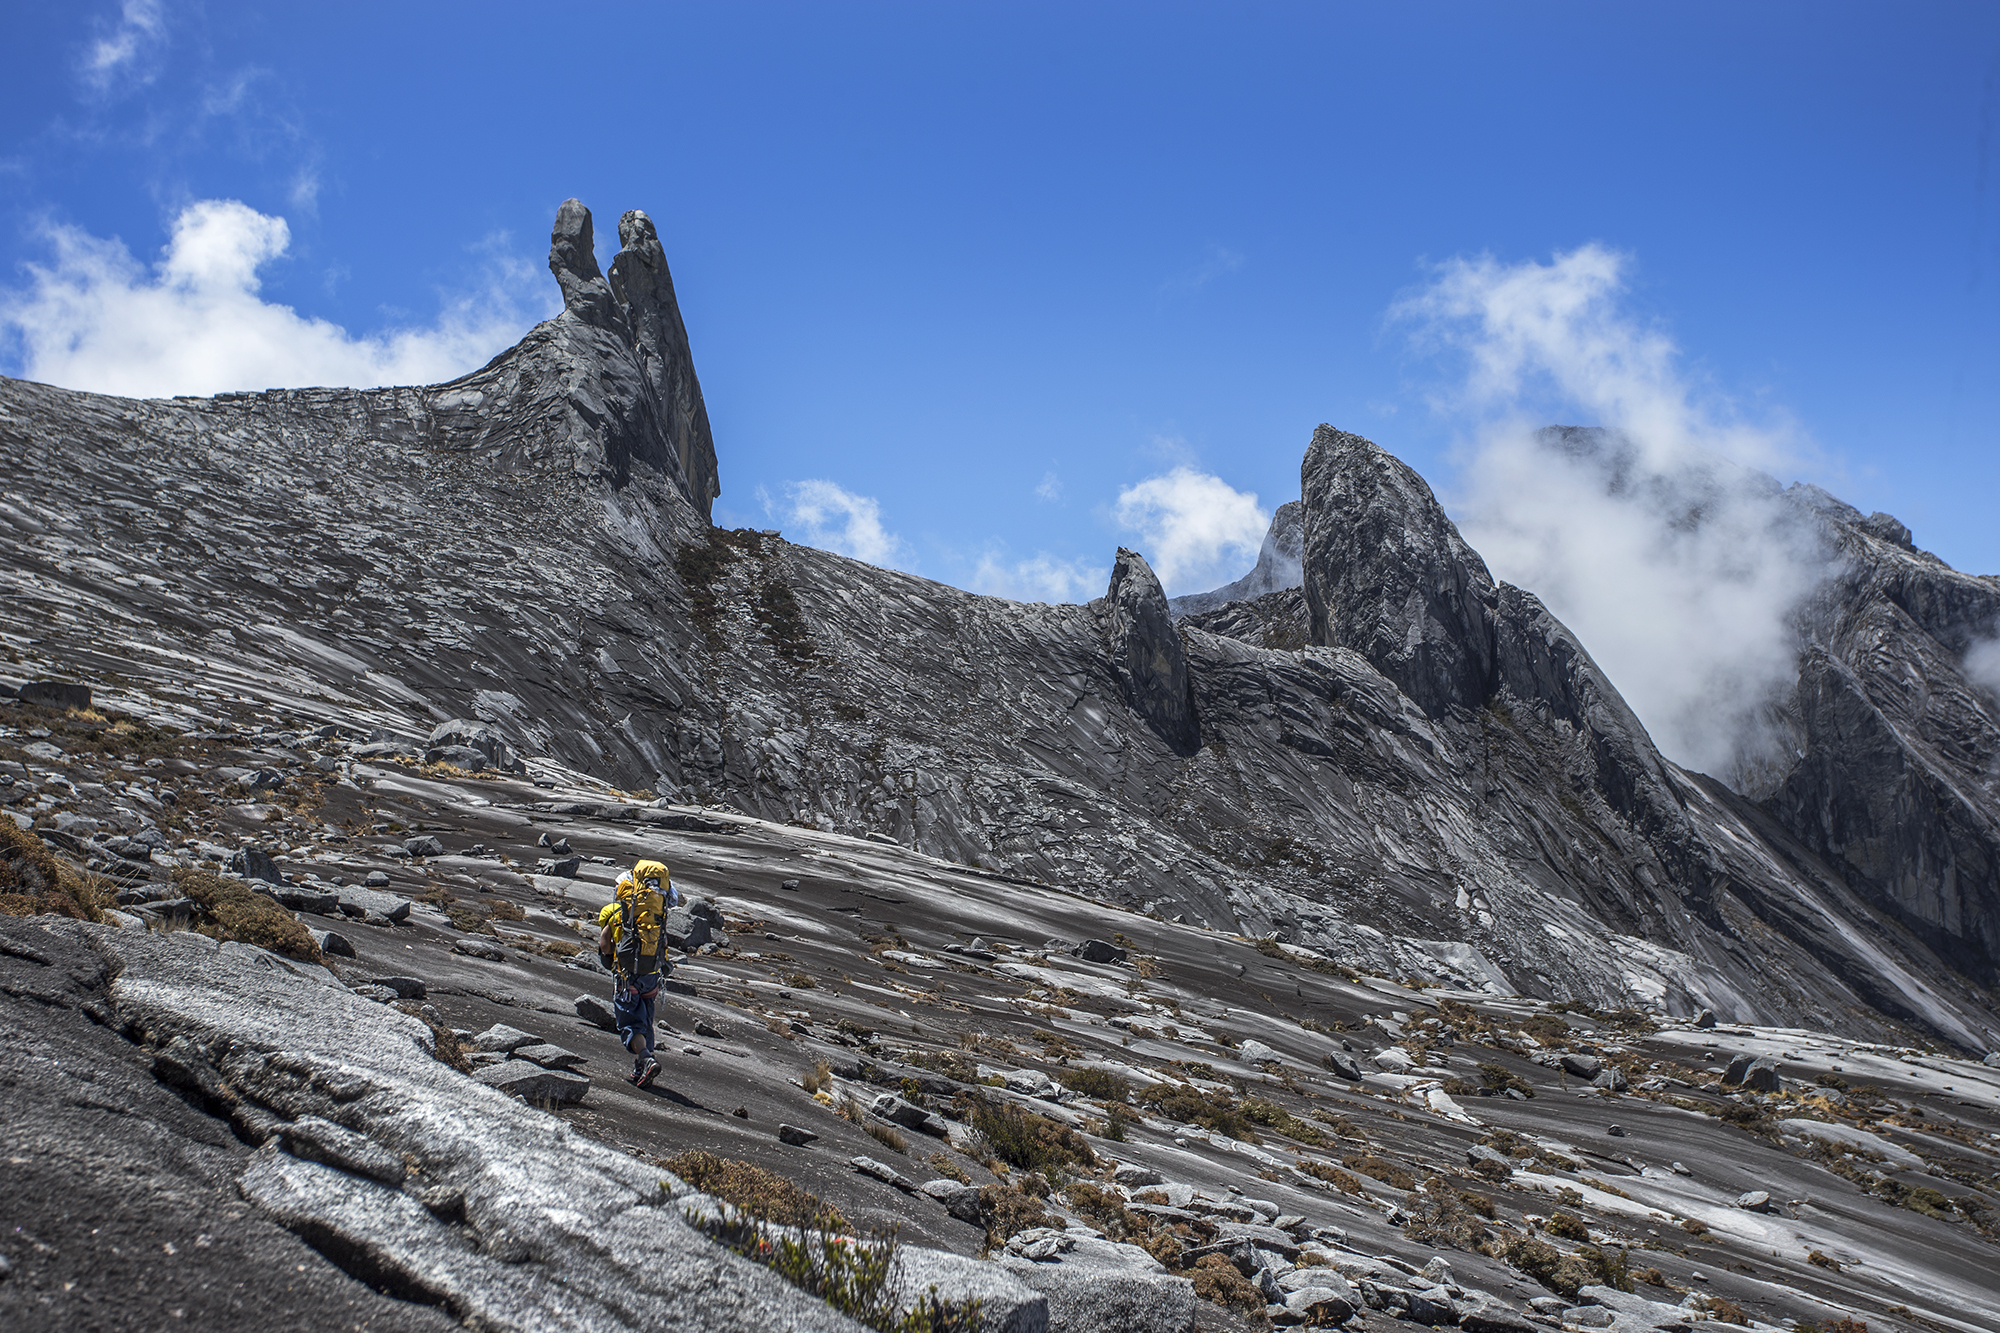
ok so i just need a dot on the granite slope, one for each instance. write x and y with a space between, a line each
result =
1436 784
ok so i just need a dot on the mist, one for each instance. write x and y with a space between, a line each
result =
1655 536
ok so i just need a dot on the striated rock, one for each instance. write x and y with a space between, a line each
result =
1147 656
534 1084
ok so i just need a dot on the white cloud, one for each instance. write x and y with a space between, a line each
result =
839 520
96 319
1196 530
1050 488
125 47
1982 664
1677 565
1041 578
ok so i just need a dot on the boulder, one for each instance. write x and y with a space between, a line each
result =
407 988
1254 1052
478 739
475 946
1762 1075
1098 951
1134 1176
897 1111
959 1199
1320 1306
1705 1019
458 756
532 1083
566 868
793 1136
55 694
1754 1201
1992 1060
377 879
1006 1304
596 1012
1393 1060
423 844
1611 1077
359 902
1581 1066
1100 1286
1343 1064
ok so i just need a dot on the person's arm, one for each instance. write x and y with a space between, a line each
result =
604 946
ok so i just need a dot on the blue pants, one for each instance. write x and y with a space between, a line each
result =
634 1012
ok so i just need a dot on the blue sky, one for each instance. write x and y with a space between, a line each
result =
961 277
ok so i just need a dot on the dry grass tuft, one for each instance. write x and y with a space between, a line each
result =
234 912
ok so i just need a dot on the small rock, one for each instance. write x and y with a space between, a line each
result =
566 868
1756 1201
883 1172
1343 1064
596 1012
500 1037
704 1028
377 879
532 1083
1254 1052
423 845
789 885
379 994
478 948
1616 1131
548 1056
1705 1019
795 1137
1680 1170
1133 1176
407 988
333 944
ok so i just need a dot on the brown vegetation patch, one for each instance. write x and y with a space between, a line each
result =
33 880
757 1191
231 911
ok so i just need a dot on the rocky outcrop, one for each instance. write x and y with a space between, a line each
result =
1146 653
1387 575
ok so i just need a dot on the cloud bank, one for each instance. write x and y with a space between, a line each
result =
1195 529
95 318
1982 664
1676 563
836 519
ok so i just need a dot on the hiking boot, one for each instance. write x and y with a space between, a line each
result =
644 1078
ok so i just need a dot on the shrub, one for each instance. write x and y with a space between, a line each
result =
943 1164
1211 1111
1821 1260
1099 1083
850 1275
764 1194
888 1138
33 880
234 912
1006 1211
1368 1164
1032 1142
1216 1279
1260 1111
1569 1227
1500 1078
1694 1226
1561 1273
502 910
1725 1311
1614 1270
1441 1218
1344 1181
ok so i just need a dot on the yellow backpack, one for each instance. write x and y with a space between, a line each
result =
642 910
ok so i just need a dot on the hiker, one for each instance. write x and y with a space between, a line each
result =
632 944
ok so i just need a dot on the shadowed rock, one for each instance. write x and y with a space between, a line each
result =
1146 653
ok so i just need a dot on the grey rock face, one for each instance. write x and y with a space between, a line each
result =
1387 574
1147 656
